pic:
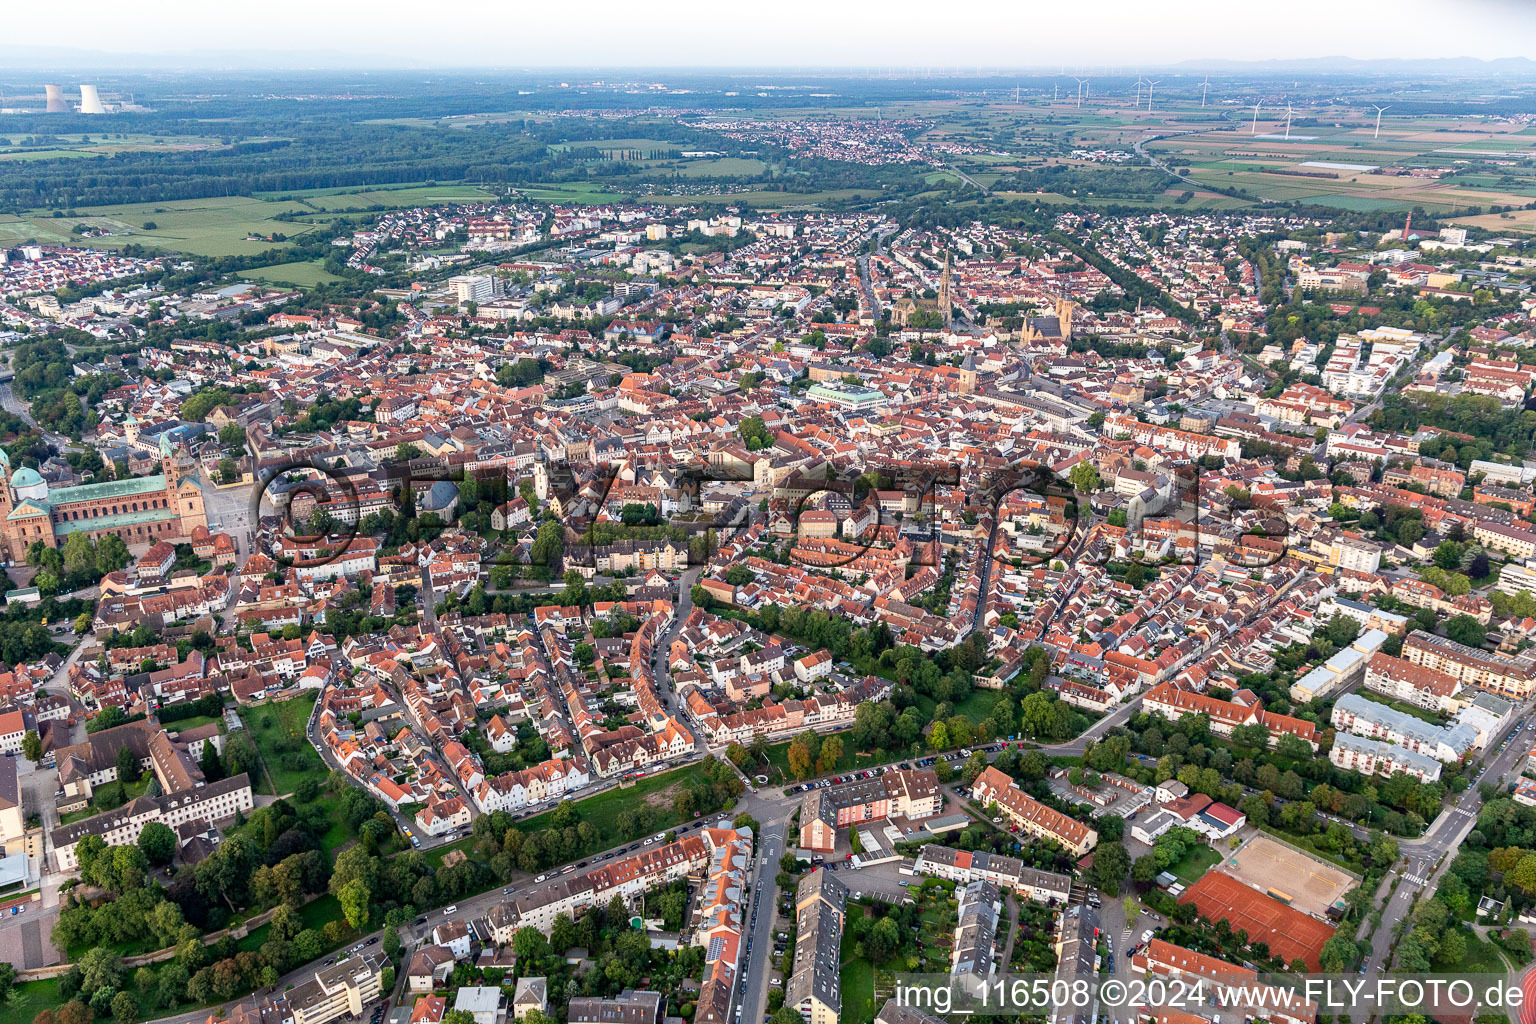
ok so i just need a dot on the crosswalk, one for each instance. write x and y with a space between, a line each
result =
1416 880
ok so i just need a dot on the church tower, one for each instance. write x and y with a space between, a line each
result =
945 307
1064 309
968 374
6 503
182 487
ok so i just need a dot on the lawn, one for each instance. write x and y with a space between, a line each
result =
1195 863
1423 714
1483 957
30 998
858 989
274 728
303 274
778 760
603 811
315 914
194 722
977 706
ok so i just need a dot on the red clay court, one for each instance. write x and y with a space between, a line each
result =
1289 933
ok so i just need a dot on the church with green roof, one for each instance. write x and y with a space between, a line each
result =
142 510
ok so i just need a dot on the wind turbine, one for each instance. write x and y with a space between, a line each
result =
1255 129
1150 84
1139 83
1080 83
1287 119
1203 87
1378 119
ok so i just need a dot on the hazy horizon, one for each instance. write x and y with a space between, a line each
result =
480 35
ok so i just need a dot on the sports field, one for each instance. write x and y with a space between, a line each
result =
1312 885
1290 934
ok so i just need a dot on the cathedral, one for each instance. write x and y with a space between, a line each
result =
142 510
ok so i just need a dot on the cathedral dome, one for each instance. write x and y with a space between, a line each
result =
28 483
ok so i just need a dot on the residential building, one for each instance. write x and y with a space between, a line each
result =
813 989
1035 818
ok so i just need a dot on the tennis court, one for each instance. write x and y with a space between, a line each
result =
1306 883
1290 934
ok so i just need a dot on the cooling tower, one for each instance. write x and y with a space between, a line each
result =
56 104
90 101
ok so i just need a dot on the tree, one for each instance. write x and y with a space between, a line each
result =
1085 477
111 554
831 753
1447 555
562 934
799 755
529 944
7 980
1111 862
354 898
158 842
882 940
213 768
79 554
32 746
100 967
127 766
125 1008
1464 629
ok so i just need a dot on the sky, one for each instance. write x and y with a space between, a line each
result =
778 33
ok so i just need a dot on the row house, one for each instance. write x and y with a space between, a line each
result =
1244 708
1033 817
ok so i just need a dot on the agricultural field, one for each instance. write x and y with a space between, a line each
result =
619 149
385 197
1342 163
569 192
55 147
775 199
221 226
303 274
715 167
203 227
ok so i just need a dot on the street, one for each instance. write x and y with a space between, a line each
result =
1430 855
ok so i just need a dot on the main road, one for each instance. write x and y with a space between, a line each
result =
1427 858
